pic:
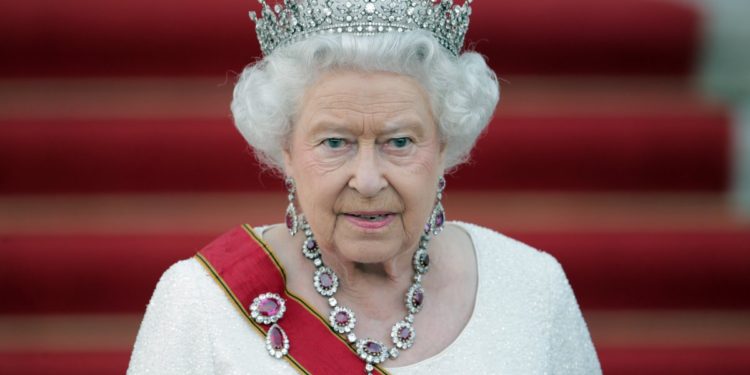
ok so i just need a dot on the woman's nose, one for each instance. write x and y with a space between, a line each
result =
367 175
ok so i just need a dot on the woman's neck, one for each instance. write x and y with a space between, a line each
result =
371 286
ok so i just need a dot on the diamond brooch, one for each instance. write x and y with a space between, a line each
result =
277 342
267 308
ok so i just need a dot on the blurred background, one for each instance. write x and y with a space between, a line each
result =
621 146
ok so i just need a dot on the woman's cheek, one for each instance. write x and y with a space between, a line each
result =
423 163
325 161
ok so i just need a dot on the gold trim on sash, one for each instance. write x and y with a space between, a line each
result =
243 312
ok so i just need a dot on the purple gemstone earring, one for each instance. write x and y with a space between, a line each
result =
437 219
291 219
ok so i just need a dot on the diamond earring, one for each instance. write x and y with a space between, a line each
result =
292 222
437 219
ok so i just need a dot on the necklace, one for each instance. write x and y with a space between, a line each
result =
343 320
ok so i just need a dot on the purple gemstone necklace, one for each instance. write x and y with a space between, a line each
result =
343 319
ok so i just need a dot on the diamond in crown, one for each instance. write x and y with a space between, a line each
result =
299 19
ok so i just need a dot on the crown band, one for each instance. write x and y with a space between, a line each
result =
299 19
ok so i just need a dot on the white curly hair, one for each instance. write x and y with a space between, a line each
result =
463 90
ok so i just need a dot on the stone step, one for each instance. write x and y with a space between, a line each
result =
167 135
172 37
649 342
105 254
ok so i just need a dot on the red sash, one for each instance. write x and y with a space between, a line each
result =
245 267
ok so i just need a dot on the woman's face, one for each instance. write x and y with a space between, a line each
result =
366 156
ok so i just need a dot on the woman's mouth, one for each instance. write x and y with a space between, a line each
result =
370 220
371 217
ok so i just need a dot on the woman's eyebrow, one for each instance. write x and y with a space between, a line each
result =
329 125
399 125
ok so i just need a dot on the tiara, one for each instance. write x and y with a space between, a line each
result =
300 19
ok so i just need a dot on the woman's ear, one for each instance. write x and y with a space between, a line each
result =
441 156
288 170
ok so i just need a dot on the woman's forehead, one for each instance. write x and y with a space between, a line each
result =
374 87
388 99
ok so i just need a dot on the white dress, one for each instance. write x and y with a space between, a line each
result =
525 321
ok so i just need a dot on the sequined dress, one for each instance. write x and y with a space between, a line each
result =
525 321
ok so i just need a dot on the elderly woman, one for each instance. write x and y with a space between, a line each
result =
363 106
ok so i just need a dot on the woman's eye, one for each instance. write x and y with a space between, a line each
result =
334 142
400 142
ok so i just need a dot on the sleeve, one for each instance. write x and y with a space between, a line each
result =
173 338
571 350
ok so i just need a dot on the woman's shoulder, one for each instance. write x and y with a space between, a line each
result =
182 283
503 261
524 300
173 331
194 280
182 272
494 247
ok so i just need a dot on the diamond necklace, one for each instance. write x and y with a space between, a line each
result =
343 319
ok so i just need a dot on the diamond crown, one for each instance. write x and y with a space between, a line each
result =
300 19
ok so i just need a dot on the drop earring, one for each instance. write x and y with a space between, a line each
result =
291 219
437 219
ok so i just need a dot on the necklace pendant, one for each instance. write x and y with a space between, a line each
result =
414 298
421 261
342 319
372 351
310 249
402 335
325 281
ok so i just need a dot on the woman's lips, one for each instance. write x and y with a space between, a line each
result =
370 220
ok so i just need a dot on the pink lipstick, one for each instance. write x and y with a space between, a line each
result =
370 220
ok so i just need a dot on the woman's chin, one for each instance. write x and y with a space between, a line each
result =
369 250
361 242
